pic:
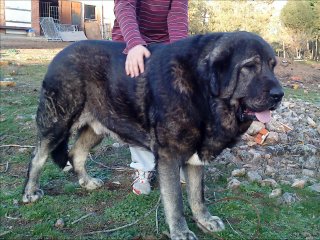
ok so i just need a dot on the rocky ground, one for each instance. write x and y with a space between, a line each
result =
289 155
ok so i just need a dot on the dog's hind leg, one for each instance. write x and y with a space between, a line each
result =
195 186
32 191
86 140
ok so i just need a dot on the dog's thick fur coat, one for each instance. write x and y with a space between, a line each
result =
192 101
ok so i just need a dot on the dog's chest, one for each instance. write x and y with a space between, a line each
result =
222 130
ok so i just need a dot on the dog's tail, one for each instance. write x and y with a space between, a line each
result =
60 153
57 112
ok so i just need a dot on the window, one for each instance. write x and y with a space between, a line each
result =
89 12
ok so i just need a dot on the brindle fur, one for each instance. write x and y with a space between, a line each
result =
188 104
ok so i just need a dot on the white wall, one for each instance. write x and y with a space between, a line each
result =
108 11
18 13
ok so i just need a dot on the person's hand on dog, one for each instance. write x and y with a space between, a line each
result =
135 60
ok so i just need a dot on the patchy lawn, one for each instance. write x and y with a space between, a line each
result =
82 213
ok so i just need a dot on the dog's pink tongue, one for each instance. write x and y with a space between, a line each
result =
264 116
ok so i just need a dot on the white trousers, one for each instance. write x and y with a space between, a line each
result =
142 159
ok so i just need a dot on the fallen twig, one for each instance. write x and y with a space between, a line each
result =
16 145
157 220
12 218
127 225
7 167
4 233
287 128
233 228
120 169
83 217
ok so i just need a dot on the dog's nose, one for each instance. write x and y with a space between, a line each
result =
276 94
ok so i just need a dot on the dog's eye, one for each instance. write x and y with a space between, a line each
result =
272 64
251 66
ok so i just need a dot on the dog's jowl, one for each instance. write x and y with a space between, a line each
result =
194 99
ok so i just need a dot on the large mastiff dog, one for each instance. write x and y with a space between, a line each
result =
194 99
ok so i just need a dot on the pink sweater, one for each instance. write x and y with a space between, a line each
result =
150 21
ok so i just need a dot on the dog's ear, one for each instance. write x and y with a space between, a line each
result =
213 67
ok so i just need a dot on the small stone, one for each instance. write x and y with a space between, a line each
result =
59 223
116 145
285 104
311 163
283 138
238 172
303 149
254 176
256 155
227 156
255 127
311 122
291 177
289 198
269 182
269 170
285 182
247 137
315 187
267 156
318 129
275 126
299 183
248 165
251 143
275 193
244 155
15 202
234 184
272 138
309 173
276 150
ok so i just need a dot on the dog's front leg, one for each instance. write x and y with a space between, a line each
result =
194 174
171 194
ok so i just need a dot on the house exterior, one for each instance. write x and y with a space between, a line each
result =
17 16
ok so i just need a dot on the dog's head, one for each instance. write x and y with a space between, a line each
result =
240 67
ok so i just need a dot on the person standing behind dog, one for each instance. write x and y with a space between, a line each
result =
139 23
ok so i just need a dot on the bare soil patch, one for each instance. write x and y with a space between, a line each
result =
22 42
299 74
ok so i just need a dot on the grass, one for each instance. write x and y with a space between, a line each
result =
114 205
310 96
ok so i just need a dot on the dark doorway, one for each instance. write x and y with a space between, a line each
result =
49 8
89 12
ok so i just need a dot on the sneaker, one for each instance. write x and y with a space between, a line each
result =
182 177
141 184
68 167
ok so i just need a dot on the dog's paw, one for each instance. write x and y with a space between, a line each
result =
91 183
183 235
210 224
32 197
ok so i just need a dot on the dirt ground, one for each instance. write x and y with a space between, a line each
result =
299 74
23 42
292 74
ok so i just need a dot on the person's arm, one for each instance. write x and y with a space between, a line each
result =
125 13
178 20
